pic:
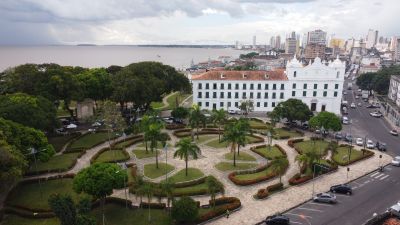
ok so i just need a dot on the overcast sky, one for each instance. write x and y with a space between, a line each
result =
30 22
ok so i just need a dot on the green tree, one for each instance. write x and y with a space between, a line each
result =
154 134
327 120
196 117
64 208
235 135
186 148
219 117
213 187
99 180
308 158
148 190
95 84
279 165
167 187
245 130
365 81
246 106
185 210
36 112
180 112
292 109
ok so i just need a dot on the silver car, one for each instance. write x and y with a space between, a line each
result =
396 161
325 198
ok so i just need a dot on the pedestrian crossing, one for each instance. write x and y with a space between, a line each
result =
379 176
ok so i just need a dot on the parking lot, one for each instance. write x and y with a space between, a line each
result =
368 198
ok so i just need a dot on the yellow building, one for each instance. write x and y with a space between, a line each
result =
337 42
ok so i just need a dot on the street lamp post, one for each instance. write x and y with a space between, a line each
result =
124 168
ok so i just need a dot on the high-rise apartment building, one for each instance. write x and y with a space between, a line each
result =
314 50
278 42
316 37
291 46
272 42
372 38
397 49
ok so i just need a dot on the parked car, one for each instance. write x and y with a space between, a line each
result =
325 198
348 138
305 126
359 141
376 114
338 136
277 220
359 104
394 133
353 105
168 120
61 130
381 146
345 120
396 161
231 111
394 209
370 144
357 97
97 124
370 106
342 189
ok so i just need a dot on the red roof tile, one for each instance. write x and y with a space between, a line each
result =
241 75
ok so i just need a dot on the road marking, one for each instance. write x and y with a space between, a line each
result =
384 177
313 203
295 222
382 174
299 215
374 174
315 210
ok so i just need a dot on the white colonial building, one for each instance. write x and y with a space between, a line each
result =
318 84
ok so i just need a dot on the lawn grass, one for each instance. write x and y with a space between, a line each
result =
119 215
10 219
124 144
242 156
59 142
157 105
255 124
306 146
203 138
180 176
59 162
142 145
228 166
152 172
141 154
268 153
28 195
252 176
90 140
171 100
191 189
110 156
280 132
224 144
342 155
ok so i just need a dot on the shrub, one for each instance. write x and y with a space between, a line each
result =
153 205
275 187
175 126
291 142
224 203
261 194
184 210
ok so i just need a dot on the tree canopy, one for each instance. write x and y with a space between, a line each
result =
379 81
292 109
327 120
184 210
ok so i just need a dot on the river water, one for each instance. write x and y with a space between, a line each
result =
104 56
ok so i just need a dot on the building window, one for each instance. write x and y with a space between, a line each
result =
199 103
229 94
229 86
222 86
221 104
336 86
207 104
266 95
207 95
323 108
304 86
258 95
214 86
274 87
199 95
266 86
236 104
281 96
258 104
273 95
325 93
259 86
304 93
214 94
282 86
236 94
229 104
315 86
236 86
314 93
244 86
244 95
221 95
265 104
251 94
199 86
294 73
273 104
325 86
337 74
293 93
293 86
251 86
207 86
335 94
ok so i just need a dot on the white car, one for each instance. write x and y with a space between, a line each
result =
370 144
345 120
353 105
376 114
357 97
394 133
359 142
231 111
359 104
345 92
396 161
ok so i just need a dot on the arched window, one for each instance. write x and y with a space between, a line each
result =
294 73
337 74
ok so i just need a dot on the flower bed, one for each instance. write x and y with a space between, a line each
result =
265 192
240 182
222 204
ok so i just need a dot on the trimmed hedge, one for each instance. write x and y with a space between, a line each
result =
69 149
114 200
232 176
152 205
95 156
379 219
27 213
253 149
130 140
174 126
265 192
291 142
223 203
181 133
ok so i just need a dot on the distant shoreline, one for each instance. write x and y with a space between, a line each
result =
167 46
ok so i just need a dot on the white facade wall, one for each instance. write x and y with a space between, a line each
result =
326 95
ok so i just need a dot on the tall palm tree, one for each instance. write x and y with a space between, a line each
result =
219 117
245 129
144 127
186 148
167 187
154 134
196 118
148 190
231 136
214 186
279 165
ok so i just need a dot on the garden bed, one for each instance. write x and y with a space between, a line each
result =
128 141
152 172
180 176
57 163
243 156
340 157
58 142
264 151
88 141
265 192
250 139
249 177
307 174
305 146
286 133
141 154
221 206
228 166
106 155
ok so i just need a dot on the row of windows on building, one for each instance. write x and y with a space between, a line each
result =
236 104
259 86
259 95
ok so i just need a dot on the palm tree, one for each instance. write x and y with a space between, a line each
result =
307 159
196 118
154 134
148 190
185 149
219 117
167 188
245 129
231 136
302 160
279 165
144 127
214 186
137 187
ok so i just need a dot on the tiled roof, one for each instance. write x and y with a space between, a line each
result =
241 75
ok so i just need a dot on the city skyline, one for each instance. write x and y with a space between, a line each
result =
31 22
